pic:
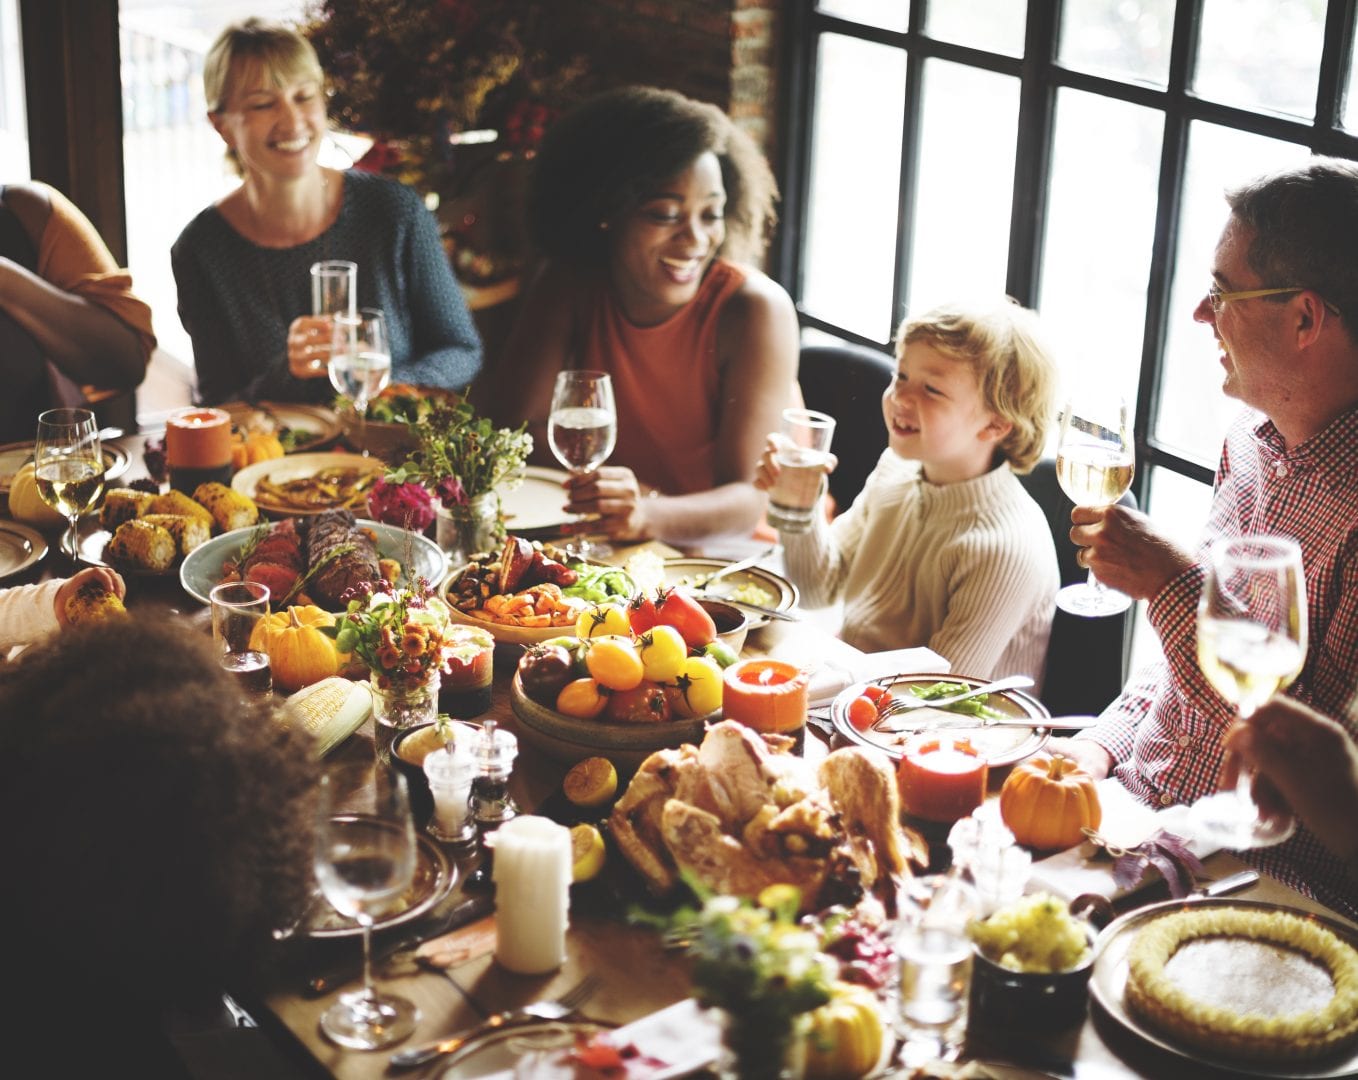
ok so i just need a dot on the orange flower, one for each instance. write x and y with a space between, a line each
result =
413 643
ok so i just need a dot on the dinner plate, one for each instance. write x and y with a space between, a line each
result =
14 456
434 879
1109 983
313 425
20 548
91 538
296 467
782 593
501 1051
418 555
1000 745
535 505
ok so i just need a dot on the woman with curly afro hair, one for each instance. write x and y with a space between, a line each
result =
649 208
156 831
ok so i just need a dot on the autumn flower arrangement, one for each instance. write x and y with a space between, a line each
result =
402 635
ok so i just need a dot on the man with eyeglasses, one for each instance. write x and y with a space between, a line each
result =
1283 305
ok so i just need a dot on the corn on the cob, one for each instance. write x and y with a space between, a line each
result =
228 507
188 532
142 545
123 504
330 710
93 602
176 502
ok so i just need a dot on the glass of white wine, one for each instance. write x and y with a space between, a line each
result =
582 428
365 861
1251 644
1095 465
360 362
69 466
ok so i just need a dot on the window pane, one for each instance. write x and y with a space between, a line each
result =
1236 69
1193 412
854 189
13 118
1093 296
966 180
994 25
1129 40
887 14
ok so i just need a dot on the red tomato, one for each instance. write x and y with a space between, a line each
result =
862 712
679 610
641 614
643 704
878 695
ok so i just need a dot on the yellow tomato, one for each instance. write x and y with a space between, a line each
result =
613 660
582 698
699 681
601 620
662 651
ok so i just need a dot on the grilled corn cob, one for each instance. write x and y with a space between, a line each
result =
93 602
176 502
123 504
142 545
229 508
188 532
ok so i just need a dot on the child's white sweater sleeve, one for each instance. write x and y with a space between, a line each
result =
28 612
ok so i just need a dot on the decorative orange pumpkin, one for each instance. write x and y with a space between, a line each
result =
1046 801
254 447
298 652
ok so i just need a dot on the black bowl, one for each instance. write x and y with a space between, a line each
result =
1027 1000
421 801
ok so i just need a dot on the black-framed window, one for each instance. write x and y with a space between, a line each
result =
1070 152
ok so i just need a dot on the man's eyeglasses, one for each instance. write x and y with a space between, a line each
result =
1220 299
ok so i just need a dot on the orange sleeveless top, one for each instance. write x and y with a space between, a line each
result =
666 383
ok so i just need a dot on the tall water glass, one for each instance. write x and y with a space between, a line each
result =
802 454
364 863
582 428
238 608
334 291
360 362
1251 644
933 953
68 464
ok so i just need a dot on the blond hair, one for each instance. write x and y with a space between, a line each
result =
279 50
1004 346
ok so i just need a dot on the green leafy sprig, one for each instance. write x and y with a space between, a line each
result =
461 456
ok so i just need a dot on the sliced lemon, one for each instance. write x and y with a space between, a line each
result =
591 782
588 852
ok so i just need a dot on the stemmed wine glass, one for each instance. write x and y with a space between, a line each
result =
360 362
365 860
583 428
69 466
1094 466
1251 644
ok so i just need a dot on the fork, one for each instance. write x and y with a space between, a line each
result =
557 1009
909 704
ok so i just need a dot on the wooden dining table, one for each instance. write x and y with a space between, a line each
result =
638 975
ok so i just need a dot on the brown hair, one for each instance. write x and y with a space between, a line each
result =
1003 344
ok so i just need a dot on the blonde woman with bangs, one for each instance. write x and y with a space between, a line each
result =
944 547
242 265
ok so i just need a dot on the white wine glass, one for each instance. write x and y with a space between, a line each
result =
1094 466
582 429
1251 644
68 465
364 863
360 362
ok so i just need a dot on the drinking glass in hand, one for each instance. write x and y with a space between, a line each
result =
582 427
802 456
1094 466
237 609
360 362
365 861
69 466
1251 644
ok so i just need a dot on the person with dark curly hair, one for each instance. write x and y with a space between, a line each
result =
157 830
649 207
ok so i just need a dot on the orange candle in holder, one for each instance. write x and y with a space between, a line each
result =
766 695
941 778
198 447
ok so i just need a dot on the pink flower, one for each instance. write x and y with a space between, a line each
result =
450 491
407 505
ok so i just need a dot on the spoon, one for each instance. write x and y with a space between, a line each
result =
735 567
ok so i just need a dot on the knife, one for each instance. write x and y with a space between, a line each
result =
347 970
772 613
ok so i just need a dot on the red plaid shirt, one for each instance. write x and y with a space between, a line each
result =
1165 730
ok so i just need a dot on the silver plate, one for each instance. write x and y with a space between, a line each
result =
679 571
1000 745
319 425
14 456
20 548
1109 981
496 1053
434 879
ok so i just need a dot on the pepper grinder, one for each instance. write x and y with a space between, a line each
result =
490 799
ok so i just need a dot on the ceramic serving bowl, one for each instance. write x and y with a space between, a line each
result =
1030 1001
732 623
408 751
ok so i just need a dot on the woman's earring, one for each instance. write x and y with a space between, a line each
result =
603 226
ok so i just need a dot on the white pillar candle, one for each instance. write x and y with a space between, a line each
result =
532 894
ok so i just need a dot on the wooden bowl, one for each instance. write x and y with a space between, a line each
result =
571 739
507 634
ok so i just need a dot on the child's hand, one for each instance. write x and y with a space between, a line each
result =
766 469
109 579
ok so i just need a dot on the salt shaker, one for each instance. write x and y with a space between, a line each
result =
490 800
451 771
